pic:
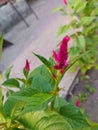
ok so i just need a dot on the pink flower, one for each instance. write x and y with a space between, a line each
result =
77 103
62 57
27 65
65 2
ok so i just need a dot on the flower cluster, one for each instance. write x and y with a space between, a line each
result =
62 57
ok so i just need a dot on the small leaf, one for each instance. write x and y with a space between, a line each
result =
8 71
63 29
11 83
81 42
81 6
44 61
87 20
59 8
59 102
25 72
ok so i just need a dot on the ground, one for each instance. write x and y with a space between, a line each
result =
91 103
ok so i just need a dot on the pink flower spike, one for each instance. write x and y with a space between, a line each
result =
55 56
62 57
77 103
65 2
27 65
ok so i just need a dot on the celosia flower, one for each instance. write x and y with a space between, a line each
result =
77 103
62 57
65 1
27 65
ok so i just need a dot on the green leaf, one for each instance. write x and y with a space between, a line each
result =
63 29
59 8
25 94
41 84
59 102
11 83
2 119
12 108
39 101
73 115
1 44
81 42
87 20
44 120
8 71
44 61
16 102
1 102
43 71
25 72
80 7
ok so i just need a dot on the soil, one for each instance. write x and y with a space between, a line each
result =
90 104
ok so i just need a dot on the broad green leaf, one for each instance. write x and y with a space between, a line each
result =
11 83
12 108
8 71
62 29
73 115
59 8
25 94
44 61
1 44
43 71
41 84
16 102
44 120
39 101
81 42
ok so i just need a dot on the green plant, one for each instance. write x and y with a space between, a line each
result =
82 97
90 89
83 22
36 105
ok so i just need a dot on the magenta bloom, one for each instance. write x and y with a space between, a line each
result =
77 103
27 65
65 2
62 57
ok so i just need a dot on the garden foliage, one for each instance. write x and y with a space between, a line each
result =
36 105
83 22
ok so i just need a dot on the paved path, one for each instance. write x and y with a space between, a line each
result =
22 36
